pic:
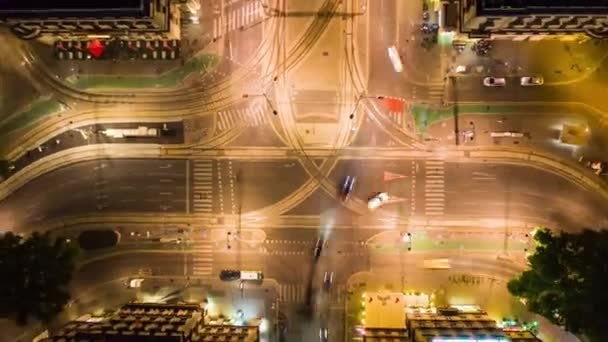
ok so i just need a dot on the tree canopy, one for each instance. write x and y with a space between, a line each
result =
567 281
35 275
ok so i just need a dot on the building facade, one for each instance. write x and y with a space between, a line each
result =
522 19
30 19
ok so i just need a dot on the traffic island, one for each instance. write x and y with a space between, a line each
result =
199 65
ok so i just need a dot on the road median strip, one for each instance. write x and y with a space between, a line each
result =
170 79
426 115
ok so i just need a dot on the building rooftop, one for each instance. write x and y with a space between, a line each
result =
518 7
429 326
73 8
147 322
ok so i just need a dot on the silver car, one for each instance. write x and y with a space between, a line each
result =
530 81
494 81
377 200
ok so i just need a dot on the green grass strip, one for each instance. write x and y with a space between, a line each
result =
170 79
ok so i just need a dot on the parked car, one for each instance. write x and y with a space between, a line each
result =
230 275
528 81
598 167
494 81
98 239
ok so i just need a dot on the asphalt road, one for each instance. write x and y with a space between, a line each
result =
93 134
438 189
98 186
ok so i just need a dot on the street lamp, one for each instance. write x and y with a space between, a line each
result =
274 111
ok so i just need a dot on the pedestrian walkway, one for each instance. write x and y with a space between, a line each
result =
251 117
286 252
434 187
250 13
436 93
296 294
337 294
202 180
397 118
292 293
301 242
202 258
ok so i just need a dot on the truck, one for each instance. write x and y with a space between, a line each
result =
252 275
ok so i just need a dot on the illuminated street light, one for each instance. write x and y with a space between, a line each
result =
274 111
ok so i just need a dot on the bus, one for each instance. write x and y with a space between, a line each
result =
139 132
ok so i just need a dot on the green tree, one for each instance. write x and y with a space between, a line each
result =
35 275
567 281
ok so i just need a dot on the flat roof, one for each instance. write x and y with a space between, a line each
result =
506 7
73 8
384 310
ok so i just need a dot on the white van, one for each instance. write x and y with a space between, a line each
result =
252 275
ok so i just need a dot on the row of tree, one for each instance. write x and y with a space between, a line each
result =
35 273
567 281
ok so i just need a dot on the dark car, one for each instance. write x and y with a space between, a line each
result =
229 275
328 279
98 239
347 187
318 249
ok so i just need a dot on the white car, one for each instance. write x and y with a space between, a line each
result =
528 81
323 335
494 81
134 283
377 200
395 59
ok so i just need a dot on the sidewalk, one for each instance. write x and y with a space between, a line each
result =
426 115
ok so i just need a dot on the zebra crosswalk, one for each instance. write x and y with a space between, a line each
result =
202 258
248 14
434 184
296 293
202 178
252 117
292 293
436 94
397 118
